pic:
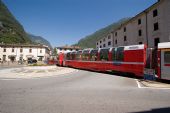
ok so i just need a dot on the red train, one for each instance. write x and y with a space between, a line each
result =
133 59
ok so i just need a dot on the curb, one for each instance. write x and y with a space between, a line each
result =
34 74
153 84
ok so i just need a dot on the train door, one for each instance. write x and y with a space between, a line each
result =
60 59
165 64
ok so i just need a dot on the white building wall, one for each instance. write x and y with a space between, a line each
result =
105 41
25 54
148 33
1 50
151 20
168 18
136 39
163 20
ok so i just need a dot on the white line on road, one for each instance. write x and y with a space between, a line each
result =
139 86
6 79
143 87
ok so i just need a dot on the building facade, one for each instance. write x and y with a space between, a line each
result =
64 49
107 41
13 52
150 27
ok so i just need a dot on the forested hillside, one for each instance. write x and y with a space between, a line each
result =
39 40
90 41
11 31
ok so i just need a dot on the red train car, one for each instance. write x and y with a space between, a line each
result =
60 59
127 59
163 68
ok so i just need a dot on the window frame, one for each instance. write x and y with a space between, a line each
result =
41 51
125 38
104 54
109 43
78 55
13 50
155 13
140 32
140 43
4 50
85 55
118 54
139 21
124 29
30 50
116 34
94 55
109 37
167 57
156 26
116 41
21 50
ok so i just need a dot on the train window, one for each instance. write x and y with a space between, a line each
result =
114 54
167 57
68 56
119 54
78 55
104 54
85 55
72 55
93 55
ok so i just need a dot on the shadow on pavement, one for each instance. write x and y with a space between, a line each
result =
164 81
159 110
126 75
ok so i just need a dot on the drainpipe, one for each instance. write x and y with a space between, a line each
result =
147 41
112 38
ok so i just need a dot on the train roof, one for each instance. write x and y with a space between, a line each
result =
94 50
134 47
103 49
86 50
131 47
164 45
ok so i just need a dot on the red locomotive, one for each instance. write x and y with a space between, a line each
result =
127 59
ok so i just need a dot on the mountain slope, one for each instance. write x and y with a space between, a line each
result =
11 31
90 41
39 40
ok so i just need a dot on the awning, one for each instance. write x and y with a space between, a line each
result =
11 56
29 56
40 56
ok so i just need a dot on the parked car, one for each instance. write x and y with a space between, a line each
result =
32 61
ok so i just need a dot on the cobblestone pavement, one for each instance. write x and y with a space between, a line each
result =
34 72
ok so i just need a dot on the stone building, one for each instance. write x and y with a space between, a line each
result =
150 27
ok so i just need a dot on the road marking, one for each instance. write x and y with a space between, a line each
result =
139 86
8 79
144 87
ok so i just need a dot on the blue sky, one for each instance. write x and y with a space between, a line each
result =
64 22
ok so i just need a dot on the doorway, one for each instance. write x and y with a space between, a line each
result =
156 41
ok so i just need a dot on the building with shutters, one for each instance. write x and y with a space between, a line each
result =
14 52
151 27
